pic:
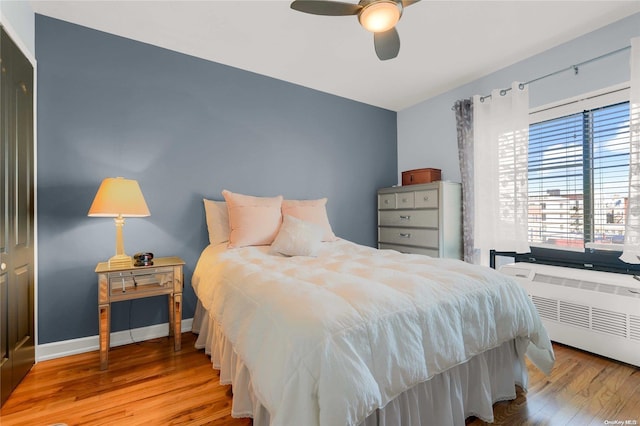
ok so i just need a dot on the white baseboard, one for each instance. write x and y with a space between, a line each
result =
92 343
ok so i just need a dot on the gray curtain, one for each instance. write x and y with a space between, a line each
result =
464 124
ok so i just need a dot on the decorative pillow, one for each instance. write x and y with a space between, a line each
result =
314 211
254 221
217 221
297 238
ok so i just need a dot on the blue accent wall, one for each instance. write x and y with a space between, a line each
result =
185 128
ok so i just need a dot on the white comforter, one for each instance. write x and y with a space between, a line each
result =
328 340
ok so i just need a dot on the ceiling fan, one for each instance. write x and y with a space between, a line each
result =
378 16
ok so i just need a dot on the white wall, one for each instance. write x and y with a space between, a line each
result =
18 19
427 131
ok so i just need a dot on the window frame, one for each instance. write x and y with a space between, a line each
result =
593 256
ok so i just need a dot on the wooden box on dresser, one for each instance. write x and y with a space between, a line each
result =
421 219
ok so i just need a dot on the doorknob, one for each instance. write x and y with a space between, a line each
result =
3 266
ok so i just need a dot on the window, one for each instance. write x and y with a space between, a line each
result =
578 179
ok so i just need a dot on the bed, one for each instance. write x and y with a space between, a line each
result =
359 336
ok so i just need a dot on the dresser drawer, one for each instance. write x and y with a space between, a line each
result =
426 199
417 218
142 280
409 236
407 249
387 201
404 200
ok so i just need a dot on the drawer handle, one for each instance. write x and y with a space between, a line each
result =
426 198
405 235
405 217
404 200
386 201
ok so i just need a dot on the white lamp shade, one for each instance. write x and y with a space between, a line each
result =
380 16
119 197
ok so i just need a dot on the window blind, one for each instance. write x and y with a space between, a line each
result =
578 179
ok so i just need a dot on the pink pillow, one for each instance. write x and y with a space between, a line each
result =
254 221
314 211
217 217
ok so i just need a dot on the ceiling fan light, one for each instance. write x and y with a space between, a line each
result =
380 16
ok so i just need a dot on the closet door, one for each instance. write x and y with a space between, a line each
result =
17 341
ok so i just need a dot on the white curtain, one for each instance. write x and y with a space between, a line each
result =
501 137
631 253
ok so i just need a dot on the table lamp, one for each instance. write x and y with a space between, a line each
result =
119 198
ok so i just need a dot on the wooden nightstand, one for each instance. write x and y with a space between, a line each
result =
135 282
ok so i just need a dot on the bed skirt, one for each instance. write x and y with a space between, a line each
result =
469 389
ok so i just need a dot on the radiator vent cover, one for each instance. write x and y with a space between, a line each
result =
574 314
634 327
609 322
591 310
595 319
547 308
586 285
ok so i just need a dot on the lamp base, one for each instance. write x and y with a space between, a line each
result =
120 261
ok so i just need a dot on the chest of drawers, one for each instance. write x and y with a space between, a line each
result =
421 219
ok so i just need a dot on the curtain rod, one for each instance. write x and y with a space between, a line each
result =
571 67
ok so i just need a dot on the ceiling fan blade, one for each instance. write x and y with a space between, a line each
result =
406 3
324 7
387 44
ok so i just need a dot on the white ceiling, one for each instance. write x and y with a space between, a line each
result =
444 43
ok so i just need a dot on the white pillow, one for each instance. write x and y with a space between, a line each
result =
297 238
217 221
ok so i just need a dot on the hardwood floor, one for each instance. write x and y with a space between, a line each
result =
148 383
583 389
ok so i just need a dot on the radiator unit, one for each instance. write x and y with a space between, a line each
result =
595 311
